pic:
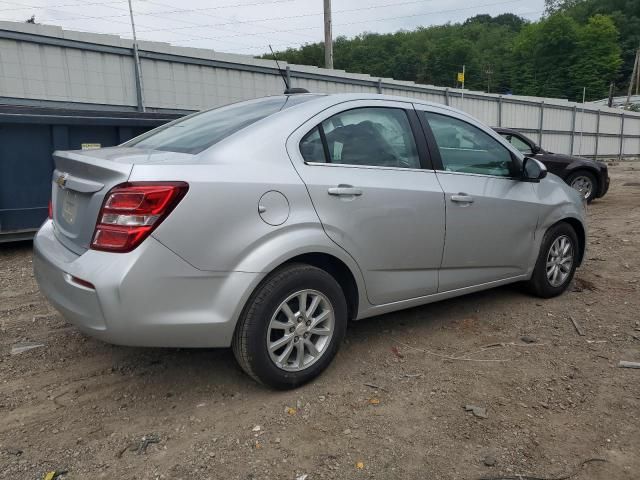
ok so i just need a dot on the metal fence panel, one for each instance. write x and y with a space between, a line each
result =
556 142
631 146
45 65
610 124
516 115
609 146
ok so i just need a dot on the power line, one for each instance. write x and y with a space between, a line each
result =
378 19
27 7
155 2
288 17
111 19
240 22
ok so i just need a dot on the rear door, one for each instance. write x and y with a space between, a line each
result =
366 167
491 215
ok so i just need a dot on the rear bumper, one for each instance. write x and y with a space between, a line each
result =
148 297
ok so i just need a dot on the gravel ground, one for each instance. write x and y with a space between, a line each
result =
391 406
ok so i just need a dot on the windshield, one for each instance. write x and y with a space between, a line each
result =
196 132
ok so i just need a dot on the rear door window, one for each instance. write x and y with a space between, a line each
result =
372 136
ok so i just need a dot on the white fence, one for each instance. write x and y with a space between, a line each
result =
46 65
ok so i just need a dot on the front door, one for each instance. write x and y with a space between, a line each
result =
491 216
364 168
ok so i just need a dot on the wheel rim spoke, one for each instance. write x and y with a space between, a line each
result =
320 331
288 312
313 307
281 325
302 302
280 343
300 355
312 348
284 356
320 318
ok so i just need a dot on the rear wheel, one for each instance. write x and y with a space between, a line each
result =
585 183
291 327
557 261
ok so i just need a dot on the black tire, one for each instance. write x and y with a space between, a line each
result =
587 175
539 284
250 337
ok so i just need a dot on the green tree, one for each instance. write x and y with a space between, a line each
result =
543 55
555 57
597 58
626 17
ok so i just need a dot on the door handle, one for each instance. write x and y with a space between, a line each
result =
345 190
462 198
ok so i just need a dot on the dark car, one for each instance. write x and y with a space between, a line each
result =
589 177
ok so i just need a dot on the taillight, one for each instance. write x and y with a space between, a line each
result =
131 211
50 210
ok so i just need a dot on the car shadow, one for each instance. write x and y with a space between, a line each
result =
187 370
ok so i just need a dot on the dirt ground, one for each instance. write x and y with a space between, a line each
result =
391 406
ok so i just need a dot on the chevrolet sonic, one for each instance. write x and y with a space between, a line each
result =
266 225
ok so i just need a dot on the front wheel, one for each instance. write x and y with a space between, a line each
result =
557 262
291 327
585 183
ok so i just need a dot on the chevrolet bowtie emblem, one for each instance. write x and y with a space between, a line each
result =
62 180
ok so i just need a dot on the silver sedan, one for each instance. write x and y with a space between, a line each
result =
266 225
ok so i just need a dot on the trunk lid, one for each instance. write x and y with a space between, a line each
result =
81 179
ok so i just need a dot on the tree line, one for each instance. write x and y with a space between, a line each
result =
577 44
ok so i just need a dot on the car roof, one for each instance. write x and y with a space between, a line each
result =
506 130
344 97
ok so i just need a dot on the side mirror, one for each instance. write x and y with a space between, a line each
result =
535 149
533 170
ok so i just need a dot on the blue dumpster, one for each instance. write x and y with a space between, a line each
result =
28 137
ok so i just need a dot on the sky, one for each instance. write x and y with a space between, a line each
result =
249 26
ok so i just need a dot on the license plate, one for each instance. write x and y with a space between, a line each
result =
70 206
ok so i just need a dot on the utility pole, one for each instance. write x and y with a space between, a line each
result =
638 71
633 78
328 36
136 58
610 101
463 79
489 72
584 94
463 75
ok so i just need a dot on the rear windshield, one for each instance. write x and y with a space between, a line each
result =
196 132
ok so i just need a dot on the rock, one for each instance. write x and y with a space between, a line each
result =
479 412
24 347
489 460
347 431
528 339
256 428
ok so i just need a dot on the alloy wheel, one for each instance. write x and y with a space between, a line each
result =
583 184
559 261
300 330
